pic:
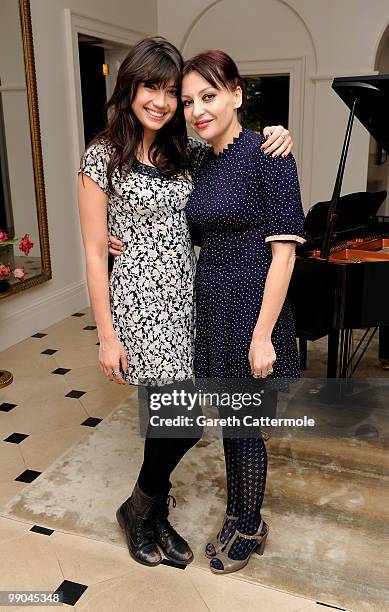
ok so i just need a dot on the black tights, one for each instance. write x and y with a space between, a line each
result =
163 454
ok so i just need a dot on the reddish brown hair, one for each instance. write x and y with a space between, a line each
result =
220 70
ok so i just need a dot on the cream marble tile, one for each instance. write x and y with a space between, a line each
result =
9 489
6 427
10 529
88 378
101 401
27 363
142 589
72 322
45 414
88 561
222 593
72 335
68 357
313 607
11 461
34 386
40 450
27 345
34 608
29 563
68 324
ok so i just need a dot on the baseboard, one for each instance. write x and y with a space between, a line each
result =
42 313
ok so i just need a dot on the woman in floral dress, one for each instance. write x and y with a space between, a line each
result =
135 172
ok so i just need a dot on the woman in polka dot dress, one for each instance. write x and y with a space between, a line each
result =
134 175
246 213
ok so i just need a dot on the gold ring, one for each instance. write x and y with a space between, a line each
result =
283 137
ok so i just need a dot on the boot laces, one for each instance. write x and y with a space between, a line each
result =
143 528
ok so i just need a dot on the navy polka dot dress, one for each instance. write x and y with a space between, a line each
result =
242 200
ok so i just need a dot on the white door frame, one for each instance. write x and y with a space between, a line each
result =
75 24
295 68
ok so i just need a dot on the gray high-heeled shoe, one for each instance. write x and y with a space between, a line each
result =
233 565
217 546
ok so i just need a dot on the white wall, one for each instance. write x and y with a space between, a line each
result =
379 174
336 38
25 313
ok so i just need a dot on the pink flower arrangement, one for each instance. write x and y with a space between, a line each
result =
25 245
5 271
19 273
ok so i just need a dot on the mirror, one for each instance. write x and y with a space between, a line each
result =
24 240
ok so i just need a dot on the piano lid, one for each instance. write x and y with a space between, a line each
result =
355 211
372 93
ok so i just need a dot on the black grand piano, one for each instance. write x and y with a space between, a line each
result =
341 276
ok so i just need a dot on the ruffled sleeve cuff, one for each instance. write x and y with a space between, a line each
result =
285 238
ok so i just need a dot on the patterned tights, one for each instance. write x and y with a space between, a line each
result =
246 469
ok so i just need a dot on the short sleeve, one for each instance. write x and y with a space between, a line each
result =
284 215
195 150
94 164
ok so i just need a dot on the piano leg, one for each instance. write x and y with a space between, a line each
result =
303 353
383 347
333 349
345 347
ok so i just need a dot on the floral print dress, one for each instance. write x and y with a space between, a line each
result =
151 284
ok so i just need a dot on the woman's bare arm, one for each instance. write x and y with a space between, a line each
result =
93 202
262 354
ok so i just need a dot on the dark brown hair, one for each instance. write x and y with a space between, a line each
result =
219 69
152 60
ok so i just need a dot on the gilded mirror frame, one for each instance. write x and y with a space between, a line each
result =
36 150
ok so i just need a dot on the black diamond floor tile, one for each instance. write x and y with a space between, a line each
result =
71 591
173 564
78 314
320 603
16 438
28 476
91 422
61 371
90 327
38 335
75 394
43 530
6 407
49 352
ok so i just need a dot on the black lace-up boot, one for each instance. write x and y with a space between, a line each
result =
173 545
135 518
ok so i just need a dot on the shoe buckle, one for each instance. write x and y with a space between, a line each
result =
169 497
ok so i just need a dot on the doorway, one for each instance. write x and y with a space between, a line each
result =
99 63
267 101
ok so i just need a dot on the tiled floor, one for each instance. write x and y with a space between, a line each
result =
57 395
